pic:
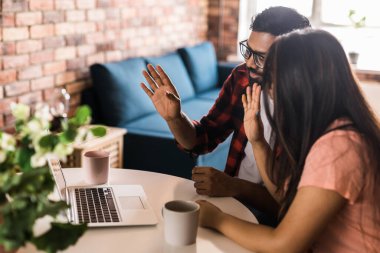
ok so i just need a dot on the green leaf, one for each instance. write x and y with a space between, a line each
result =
23 156
3 199
37 181
49 141
355 20
9 161
98 131
19 124
9 180
68 135
82 115
51 208
17 224
351 13
59 237
24 196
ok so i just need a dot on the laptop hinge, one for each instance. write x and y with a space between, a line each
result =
70 211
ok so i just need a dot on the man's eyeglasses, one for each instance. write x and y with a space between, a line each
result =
247 52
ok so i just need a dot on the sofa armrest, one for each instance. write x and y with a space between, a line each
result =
224 70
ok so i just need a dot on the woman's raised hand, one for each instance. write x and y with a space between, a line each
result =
253 124
209 214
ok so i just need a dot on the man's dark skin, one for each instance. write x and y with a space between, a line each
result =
207 180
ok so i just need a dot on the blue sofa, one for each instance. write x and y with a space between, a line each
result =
117 100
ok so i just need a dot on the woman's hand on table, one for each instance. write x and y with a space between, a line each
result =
209 215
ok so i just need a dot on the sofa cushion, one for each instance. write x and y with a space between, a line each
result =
210 94
176 70
197 108
117 88
154 125
150 125
202 65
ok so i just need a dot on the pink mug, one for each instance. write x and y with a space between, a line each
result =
96 165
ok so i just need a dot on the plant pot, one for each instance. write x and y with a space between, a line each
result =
353 57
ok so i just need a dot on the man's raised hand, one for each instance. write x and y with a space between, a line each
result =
162 92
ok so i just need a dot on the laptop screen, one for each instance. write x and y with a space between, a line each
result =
56 170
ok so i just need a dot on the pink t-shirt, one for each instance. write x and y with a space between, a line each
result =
338 162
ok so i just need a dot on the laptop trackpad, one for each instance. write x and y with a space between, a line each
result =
131 202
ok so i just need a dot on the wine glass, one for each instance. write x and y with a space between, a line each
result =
59 109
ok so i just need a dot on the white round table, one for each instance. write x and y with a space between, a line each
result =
159 189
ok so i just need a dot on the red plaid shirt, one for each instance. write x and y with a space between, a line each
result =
225 117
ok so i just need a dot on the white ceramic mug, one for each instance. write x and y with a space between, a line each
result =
180 222
96 165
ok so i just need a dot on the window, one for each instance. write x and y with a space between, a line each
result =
336 12
249 8
330 15
302 6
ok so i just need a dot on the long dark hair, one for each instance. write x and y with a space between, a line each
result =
312 86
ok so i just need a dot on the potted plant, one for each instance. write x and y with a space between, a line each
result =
357 22
26 182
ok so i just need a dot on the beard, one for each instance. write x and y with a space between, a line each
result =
252 80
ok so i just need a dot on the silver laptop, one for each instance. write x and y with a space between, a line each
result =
103 205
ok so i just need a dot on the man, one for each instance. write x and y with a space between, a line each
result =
241 178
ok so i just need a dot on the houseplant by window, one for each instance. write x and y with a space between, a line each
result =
357 22
26 182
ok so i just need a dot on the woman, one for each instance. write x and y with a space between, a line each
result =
325 171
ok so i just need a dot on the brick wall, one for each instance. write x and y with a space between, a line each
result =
46 45
223 26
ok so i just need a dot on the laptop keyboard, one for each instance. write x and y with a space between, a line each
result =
96 205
